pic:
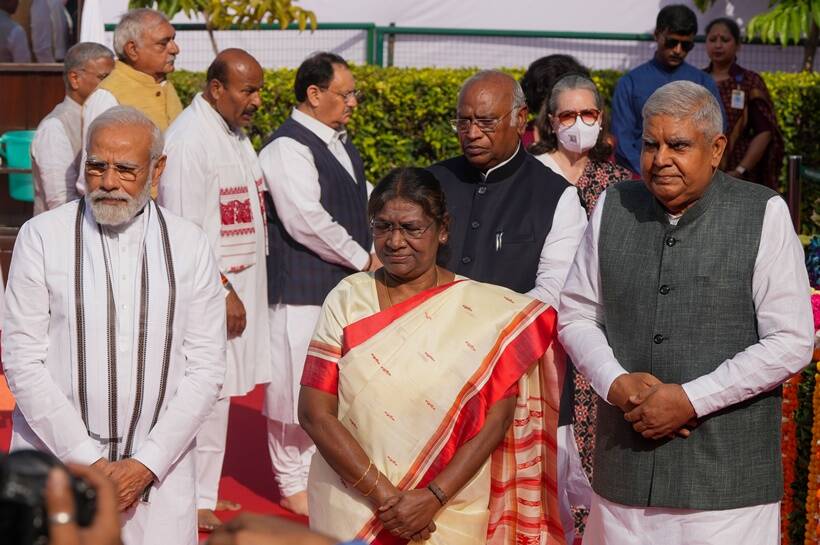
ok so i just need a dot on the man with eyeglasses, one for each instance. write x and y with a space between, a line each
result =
146 52
318 234
675 31
514 222
213 178
114 334
57 146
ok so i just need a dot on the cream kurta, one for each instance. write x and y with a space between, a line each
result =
40 353
203 155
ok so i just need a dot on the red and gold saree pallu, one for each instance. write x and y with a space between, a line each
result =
415 383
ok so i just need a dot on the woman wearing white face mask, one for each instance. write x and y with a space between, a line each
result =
571 140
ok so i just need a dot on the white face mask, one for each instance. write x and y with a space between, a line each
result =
580 137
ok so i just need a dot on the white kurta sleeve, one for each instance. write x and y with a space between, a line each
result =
203 344
581 313
562 241
99 102
785 325
294 186
52 151
42 403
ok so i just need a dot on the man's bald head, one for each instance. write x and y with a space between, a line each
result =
485 102
234 81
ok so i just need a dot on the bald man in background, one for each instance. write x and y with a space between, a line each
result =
213 178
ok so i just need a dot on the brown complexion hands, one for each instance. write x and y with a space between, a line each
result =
235 314
105 528
318 416
661 411
407 514
631 390
131 478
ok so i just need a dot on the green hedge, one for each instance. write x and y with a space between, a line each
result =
403 119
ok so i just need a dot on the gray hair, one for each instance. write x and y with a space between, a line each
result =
574 82
686 100
131 27
519 100
126 116
79 54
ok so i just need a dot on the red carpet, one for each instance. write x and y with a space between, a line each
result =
247 477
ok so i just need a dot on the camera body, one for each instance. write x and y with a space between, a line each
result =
23 517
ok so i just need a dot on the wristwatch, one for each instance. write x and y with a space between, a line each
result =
740 169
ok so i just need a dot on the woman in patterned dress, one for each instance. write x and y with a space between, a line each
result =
572 140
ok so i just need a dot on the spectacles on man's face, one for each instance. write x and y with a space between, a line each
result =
126 172
408 230
568 118
484 124
672 43
348 96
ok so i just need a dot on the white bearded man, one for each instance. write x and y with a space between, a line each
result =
213 178
114 334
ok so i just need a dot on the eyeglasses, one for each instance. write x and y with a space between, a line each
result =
569 117
408 230
484 124
672 43
358 95
126 173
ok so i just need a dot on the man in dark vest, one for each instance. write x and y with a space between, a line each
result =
686 308
514 222
318 234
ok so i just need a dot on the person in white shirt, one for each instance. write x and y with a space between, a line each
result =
686 307
57 146
213 178
114 334
49 30
13 39
318 234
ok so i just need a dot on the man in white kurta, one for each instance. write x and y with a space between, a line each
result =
213 178
114 335
57 146
731 271
325 89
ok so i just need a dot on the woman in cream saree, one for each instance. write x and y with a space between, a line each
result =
422 385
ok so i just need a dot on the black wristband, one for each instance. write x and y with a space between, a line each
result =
438 493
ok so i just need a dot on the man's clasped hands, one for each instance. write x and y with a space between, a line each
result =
656 410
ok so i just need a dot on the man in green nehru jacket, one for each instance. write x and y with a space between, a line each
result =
686 308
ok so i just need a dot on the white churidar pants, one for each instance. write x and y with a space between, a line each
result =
291 328
611 523
210 452
573 486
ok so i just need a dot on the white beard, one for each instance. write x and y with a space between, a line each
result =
117 214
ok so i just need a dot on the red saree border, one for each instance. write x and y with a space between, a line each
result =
362 330
529 345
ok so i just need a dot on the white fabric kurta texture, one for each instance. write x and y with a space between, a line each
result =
202 153
780 290
41 360
293 182
55 166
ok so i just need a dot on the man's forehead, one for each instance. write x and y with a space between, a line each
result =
485 96
669 127
124 142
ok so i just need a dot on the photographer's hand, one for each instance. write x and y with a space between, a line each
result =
60 508
131 478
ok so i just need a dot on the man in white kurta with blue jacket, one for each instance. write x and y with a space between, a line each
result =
114 333
213 178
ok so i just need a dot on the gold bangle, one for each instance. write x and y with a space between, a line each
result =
366 471
379 474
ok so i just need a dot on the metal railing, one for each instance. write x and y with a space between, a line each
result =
367 43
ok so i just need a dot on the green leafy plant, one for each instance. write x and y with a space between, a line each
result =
223 14
787 21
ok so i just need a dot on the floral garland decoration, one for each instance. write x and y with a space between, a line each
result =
812 537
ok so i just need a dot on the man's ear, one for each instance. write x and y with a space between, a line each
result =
130 51
73 78
314 92
159 168
718 147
